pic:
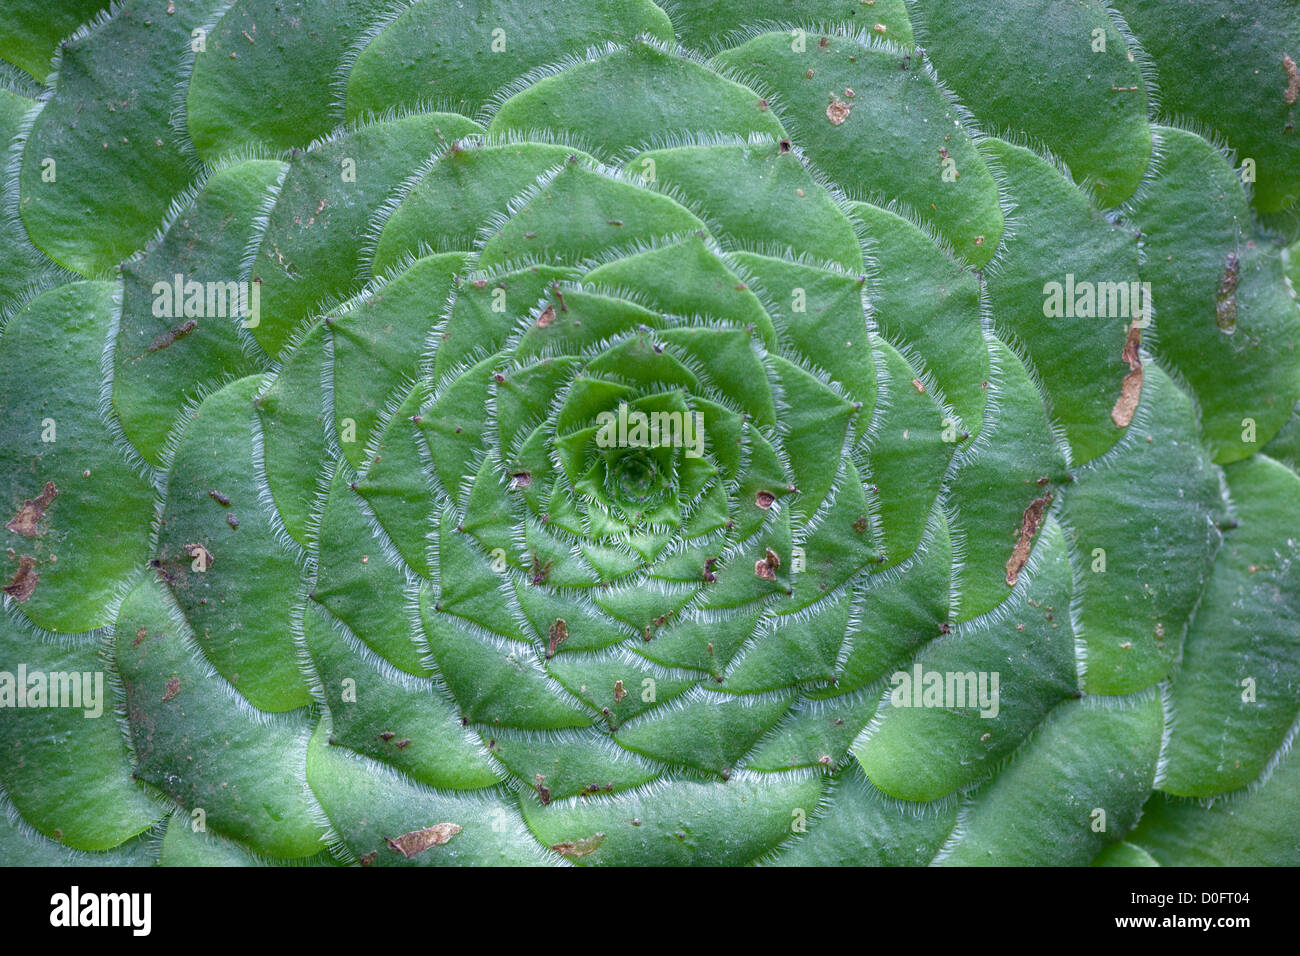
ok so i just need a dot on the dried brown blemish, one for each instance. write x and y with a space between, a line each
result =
387 735
766 566
708 569
417 841
173 688
547 317
881 29
1131 389
918 385
543 791
1029 525
1292 80
32 511
1225 300
232 519
860 525
521 479
772 560
369 858
140 635
23 583
559 631
559 297
583 847
619 692
172 334
838 111
219 498
541 570
403 743
764 499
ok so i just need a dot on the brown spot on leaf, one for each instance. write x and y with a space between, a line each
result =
369 858
766 566
547 317
583 847
619 692
219 498
173 688
764 499
33 509
559 631
860 525
773 561
1131 390
172 334
918 385
838 111
417 841
1292 80
1029 524
232 519
1225 301
23 583
140 634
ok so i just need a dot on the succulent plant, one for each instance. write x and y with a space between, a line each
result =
511 432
